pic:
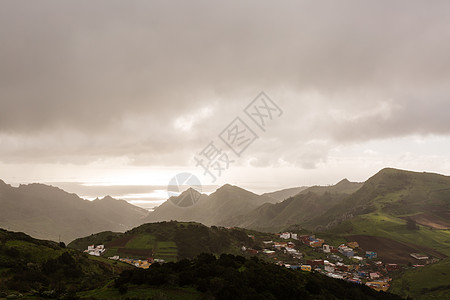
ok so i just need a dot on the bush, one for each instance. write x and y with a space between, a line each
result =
123 289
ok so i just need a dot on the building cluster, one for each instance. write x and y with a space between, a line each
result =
311 241
288 235
143 264
374 275
95 250
138 263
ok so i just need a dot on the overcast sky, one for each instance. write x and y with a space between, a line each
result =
128 92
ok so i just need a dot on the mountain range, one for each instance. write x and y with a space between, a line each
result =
299 209
380 206
48 212
213 209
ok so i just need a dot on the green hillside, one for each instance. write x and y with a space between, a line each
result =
395 193
429 282
170 241
385 203
36 268
384 225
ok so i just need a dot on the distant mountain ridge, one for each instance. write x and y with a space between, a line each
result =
47 212
298 209
285 193
214 209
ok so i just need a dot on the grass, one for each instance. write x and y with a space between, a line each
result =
35 253
111 252
116 266
429 282
167 251
383 225
141 241
332 239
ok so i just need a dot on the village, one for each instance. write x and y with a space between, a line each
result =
138 263
311 254
346 262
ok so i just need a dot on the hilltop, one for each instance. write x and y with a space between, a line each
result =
170 241
213 209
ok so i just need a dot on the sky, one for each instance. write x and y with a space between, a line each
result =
118 97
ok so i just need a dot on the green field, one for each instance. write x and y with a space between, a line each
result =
33 252
143 246
383 225
429 282
166 250
143 241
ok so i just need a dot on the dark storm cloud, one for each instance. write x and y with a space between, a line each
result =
81 80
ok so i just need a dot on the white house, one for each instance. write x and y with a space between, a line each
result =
285 235
96 251
329 268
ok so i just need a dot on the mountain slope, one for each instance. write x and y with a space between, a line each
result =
285 193
295 210
385 203
397 193
48 269
48 212
429 282
226 202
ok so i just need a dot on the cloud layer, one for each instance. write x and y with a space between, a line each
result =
154 82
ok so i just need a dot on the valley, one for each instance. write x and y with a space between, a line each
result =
381 233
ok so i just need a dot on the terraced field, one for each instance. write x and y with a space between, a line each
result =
142 246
